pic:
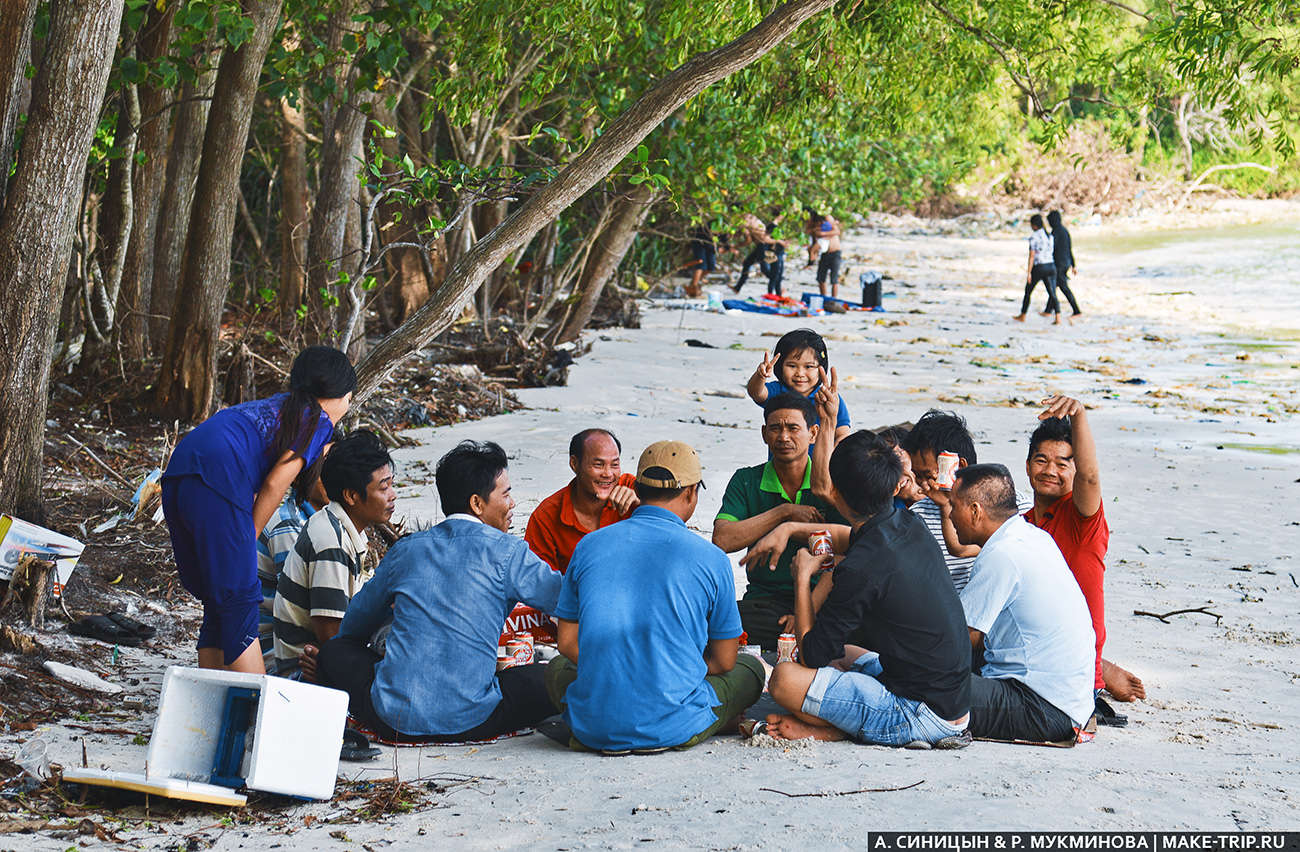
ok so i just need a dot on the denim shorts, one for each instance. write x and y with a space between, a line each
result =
859 704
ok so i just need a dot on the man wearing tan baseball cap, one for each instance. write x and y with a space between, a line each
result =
648 624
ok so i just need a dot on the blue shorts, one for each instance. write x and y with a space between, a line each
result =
216 556
860 705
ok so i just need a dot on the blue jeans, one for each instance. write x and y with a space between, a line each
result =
860 705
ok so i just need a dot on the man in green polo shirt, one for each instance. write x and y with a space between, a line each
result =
759 499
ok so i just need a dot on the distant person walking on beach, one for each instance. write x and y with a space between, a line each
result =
704 255
1042 267
768 252
1063 255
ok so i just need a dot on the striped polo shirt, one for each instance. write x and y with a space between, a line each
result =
959 567
320 576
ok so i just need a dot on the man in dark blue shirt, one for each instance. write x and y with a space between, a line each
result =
1063 254
891 588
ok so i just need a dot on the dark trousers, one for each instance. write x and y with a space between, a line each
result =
759 617
774 270
1062 286
1045 272
348 664
1006 709
828 269
755 256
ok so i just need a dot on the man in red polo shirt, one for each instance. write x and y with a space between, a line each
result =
598 495
1066 477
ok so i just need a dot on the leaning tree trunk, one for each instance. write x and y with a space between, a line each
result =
592 165
15 50
36 229
187 379
608 252
177 200
134 298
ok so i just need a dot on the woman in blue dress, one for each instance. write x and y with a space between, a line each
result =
223 483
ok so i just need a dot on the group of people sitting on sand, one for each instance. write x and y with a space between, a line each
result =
947 611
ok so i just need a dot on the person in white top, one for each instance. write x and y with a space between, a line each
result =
1042 267
1026 616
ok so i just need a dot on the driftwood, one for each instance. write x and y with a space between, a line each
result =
1164 617
30 584
840 793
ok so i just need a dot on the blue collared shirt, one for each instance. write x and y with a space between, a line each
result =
648 595
449 589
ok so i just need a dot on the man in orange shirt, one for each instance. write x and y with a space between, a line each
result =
598 495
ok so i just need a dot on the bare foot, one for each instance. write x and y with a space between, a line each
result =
790 728
1019 317
1044 313
1057 321
1121 683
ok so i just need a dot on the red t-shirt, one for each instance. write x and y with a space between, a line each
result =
1083 543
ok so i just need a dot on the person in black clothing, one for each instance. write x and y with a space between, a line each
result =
704 254
1063 253
913 688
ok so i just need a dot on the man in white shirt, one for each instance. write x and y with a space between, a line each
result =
1025 613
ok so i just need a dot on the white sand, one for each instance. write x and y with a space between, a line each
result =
1214 747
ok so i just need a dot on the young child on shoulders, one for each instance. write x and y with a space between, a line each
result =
793 368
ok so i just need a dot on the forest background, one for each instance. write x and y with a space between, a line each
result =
194 189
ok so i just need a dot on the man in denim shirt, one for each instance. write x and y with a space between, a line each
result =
448 590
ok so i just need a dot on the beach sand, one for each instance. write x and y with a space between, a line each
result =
1199 469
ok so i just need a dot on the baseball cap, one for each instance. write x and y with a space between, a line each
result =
668 464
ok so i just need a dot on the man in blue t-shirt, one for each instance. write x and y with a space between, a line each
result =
648 625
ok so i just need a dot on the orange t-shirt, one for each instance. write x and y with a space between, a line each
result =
554 531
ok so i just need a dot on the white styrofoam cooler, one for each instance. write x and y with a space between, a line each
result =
296 736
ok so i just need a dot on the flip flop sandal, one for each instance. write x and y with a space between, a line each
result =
356 748
1106 715
126 622
105 630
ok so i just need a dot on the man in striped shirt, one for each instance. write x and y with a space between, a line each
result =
327 564
939 432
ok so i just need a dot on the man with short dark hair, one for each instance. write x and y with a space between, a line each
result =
649 626
447 590
325 570
912 688
935 433
598 495
768 496
1065 474
1026 616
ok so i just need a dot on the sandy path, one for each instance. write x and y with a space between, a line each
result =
1214 747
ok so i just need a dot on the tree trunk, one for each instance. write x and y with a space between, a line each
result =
187 378
593 164
327 245
177 200
1182 104
15 50
134 300
293 209
36 229
611 247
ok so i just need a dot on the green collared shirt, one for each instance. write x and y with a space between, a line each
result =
753 491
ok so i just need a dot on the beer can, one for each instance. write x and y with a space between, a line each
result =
947 469
520 649
787 648
820 545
